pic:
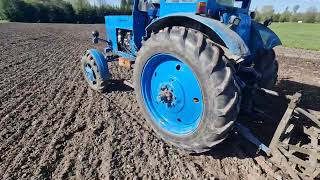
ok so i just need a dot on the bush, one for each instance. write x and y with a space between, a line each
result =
57 11
87 15
296 17
65 12
276 17
318 18
310 15
13 10
42 12
61 11
37 11
285 16
69 13
2 17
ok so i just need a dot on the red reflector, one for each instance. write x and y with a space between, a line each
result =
202 7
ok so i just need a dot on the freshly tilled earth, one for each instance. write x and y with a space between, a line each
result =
52 126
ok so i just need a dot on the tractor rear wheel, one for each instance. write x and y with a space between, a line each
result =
185 89
268 66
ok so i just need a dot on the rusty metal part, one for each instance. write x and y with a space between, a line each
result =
124 62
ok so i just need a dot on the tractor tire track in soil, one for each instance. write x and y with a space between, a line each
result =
52 126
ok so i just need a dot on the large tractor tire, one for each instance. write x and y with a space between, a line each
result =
97 78
185 89
268 66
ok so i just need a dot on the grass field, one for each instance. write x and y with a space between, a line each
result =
304 36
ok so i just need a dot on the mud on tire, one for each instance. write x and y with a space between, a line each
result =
221 94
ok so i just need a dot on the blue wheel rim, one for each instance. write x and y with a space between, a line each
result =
172 94
90 73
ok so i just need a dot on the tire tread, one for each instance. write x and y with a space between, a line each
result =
219 80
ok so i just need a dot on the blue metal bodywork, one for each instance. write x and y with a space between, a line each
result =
102 64
165 76
113 23
166 80
242 40
262 37
230 38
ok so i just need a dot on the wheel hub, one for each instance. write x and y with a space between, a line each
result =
172 94
166 96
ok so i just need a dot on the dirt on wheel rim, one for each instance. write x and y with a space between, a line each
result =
54 127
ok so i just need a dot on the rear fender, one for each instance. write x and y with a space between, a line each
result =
101 63
215 30
262 38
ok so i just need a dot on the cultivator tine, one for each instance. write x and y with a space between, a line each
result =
308 115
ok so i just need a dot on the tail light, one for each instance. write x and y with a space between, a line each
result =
201 8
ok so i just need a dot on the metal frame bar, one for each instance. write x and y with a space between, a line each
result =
282 152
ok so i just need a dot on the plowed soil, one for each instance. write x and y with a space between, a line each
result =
52 126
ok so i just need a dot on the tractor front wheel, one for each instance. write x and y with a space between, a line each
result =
185 89
96 79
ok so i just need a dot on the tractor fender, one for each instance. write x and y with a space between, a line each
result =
101 63
262 37
215 30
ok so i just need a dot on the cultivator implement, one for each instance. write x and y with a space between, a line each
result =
295 145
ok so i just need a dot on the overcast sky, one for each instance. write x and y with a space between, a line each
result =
279 5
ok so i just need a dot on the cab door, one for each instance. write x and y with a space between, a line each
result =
140 21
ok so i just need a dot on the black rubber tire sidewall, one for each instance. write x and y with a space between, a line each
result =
206 131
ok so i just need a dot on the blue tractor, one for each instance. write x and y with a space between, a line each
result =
198 64
193 61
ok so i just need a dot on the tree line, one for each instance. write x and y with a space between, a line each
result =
289 15
60 11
